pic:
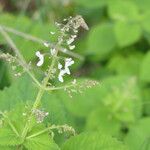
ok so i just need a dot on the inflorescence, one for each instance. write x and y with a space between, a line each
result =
68 31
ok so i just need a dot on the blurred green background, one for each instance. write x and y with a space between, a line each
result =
115 51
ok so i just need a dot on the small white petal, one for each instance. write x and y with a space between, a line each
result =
65 19
60 78
67 29
74 36
61 74
71 47
47 113
53 51
57 24
60 66
46 44
37 53
75 31
70 41
52 33
41 59
68 62
67 70
40 63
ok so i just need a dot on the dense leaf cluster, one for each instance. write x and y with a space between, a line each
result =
114 115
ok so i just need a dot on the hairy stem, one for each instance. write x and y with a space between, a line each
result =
41 41
45 82
17 52
10 124
60 87
43 131
40 94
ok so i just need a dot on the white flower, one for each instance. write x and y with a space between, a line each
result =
70 41
74 36
41 59
68 62
61 74
53 51
75 31
67 29
59 66
71 47
52 33
57 24
66 70
65 19
46 44
60 78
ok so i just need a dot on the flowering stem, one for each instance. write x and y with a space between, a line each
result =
60 87
39 95
45 81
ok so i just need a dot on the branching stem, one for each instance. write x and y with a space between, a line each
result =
40 93
43 131
16 50
41 41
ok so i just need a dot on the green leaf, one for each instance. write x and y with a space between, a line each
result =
145 71
58 114
19 92
91 4
20 112
138 137
24 24
85 102
123 10
127 33
126 65
7 148
107 92
146 98
23 91
143 5
121 105
8 137
99 72
101 41
102 120
145 22
93 141
124 100
41 142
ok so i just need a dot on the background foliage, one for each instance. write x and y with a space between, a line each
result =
116 51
